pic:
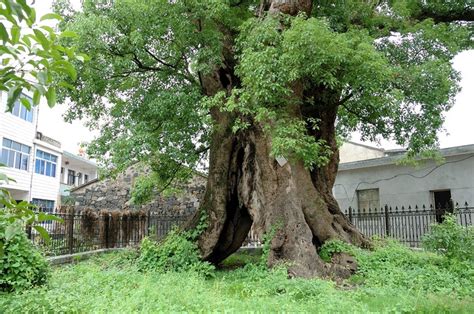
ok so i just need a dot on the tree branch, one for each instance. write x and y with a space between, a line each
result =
465 14
363 119
159 60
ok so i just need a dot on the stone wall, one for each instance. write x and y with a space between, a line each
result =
115 194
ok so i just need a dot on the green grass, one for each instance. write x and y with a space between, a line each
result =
112 283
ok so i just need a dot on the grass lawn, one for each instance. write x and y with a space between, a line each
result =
391 279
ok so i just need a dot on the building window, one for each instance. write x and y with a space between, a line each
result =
45 163
46 206
368 199
71 177
20 111
79 178
86 178
15 155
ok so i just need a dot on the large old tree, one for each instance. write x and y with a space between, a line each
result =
264 90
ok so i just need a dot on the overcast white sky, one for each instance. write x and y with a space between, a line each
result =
459 120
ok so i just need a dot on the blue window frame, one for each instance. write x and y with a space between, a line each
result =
20 111
14 154
46 206
45 163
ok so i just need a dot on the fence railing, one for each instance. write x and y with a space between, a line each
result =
406 224
87 231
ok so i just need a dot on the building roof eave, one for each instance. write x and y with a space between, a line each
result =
389 160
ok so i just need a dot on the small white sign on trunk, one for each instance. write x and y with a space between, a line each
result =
281 160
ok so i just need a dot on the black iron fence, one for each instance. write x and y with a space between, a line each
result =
87 231
407 224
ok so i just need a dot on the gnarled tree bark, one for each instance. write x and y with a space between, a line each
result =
247 186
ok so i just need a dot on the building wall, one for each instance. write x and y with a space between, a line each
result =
85 171
115 194
21 131
353 152
28 184
45 187
405 185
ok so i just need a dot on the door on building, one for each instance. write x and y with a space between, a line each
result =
442 203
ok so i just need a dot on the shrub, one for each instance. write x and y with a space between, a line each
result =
332 247
396 266
175 253
21 264
451 239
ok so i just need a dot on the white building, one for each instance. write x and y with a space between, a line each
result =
32 159
376 182
75 171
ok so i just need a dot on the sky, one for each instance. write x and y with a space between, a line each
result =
459 125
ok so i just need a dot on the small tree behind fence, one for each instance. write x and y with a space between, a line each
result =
407 224
90 230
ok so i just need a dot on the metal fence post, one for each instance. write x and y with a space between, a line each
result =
350 214
387 222
28 232
70 231
148 223
106 227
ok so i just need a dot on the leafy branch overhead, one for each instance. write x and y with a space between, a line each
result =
385 63
33 59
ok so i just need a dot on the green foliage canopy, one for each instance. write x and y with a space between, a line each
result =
32 59
386 64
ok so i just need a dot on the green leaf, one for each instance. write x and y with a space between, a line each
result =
65 67
3 33
67 85
13 95
10 231
36 97
41 39
43 233
15 31
69 34
25 102
51 97
51 16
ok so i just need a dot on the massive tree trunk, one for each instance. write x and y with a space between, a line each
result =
247 186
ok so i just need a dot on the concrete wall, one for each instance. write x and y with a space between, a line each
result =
115 194
405 185
350 151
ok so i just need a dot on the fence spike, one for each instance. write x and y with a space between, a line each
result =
466 204
369 210
416 208
390 209
424 207
403 208
396 209
409 207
